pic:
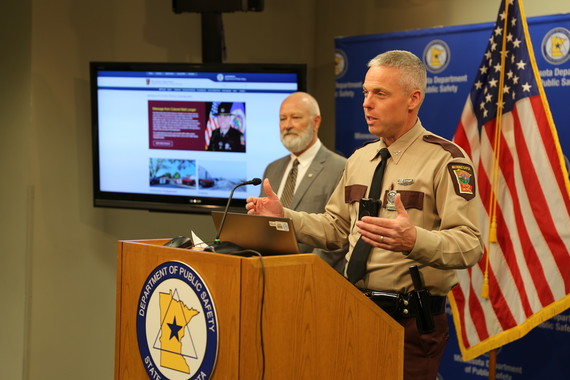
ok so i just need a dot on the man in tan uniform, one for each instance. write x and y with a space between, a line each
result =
427 213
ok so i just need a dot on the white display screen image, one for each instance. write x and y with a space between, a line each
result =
179 137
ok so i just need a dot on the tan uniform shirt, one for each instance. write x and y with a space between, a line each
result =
437 186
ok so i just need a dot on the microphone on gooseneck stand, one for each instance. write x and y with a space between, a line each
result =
227 246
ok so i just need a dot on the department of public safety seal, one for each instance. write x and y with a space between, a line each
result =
177 327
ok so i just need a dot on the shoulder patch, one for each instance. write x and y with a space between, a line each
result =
445 144
463 180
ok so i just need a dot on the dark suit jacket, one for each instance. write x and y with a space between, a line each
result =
313 193
231 142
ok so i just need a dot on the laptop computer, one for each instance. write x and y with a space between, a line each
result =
266 234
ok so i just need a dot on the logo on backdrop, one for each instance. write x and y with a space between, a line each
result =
340 63
177 327
436 56
556 46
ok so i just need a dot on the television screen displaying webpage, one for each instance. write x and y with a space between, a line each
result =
179 137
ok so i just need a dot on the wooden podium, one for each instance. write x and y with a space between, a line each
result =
316 325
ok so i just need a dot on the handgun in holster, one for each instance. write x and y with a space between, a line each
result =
420 299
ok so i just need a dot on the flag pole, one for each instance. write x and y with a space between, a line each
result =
496 157
495 181
492 364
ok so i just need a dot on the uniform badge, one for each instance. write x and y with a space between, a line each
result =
390 196
405 181
463 180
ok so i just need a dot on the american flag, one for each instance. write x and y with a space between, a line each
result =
507 129
212 123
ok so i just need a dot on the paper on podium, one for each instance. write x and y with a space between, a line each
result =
198 243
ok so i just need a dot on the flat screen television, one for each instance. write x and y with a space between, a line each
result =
177 137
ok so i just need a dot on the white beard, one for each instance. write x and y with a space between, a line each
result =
297 142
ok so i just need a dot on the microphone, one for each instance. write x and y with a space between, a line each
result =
227 246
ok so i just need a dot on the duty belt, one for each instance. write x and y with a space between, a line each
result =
401 305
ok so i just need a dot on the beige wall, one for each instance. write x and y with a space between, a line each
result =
57 263
15 198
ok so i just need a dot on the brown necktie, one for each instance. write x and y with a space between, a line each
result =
289 189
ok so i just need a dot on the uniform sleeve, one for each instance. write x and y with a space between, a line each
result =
456 243
328 230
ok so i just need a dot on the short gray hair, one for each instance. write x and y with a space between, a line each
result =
413 70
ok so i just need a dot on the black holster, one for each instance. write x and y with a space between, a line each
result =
421 303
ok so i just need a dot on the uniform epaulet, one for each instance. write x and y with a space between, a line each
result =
445 144
368 142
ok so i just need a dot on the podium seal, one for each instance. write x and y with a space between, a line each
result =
177 327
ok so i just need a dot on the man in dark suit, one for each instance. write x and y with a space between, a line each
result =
318 170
